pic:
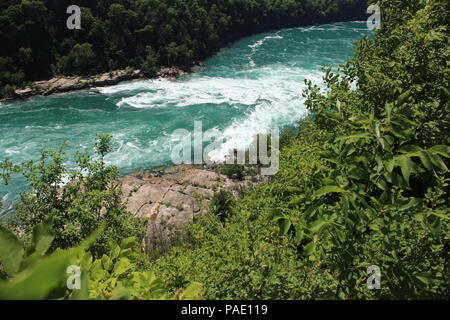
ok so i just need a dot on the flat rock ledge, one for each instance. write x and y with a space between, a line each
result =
172 197
68 84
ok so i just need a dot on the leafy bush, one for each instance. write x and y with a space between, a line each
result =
232 171
364 182
91 196
222 204
8 91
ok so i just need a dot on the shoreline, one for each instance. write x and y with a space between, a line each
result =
59 85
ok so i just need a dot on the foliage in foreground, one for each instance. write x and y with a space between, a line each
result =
31 273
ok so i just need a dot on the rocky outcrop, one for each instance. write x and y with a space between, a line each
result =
170 73
67 84
172 197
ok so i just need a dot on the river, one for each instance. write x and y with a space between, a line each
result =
247 88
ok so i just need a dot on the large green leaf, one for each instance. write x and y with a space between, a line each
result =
36 283
122 266
317 225
285 225
328 189
426 160
403 97
11 251
437 162
406 166
192 292
46 275
441 150
42 238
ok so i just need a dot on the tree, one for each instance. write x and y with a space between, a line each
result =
150 64
91 197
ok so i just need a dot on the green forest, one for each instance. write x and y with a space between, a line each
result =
363 181
142 34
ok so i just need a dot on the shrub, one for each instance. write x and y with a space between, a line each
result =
92 196
232 171
8 91
222 204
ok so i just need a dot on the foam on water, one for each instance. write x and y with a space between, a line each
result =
248 88
258 44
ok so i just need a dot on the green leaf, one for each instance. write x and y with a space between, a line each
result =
398 180
42 238
409 148
192 292
388 109
37 282
381 183
389 165
357 173
310 248
437 162
294 189
414 202
441 150
440 215
11 251
115 251
426 277
299 233
406 166
121 293
128 243
317 225
107 262
402 98
122 266
426 160
285 225
398 134
328 189
334 116
47 276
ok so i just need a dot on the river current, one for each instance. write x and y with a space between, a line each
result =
247 88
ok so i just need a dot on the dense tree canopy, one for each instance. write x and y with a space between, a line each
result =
36 43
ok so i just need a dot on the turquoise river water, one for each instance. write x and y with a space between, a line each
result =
247 88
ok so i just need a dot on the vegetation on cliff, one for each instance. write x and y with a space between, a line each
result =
365 183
